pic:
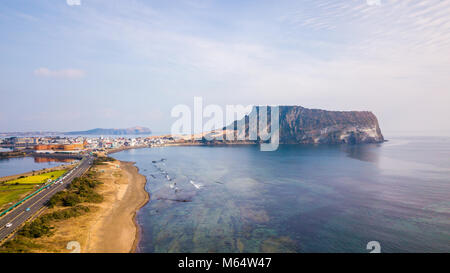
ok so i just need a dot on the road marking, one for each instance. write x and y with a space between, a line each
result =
76 173
22 204
10 221
31 205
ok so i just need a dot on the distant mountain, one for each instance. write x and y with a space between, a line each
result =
100 131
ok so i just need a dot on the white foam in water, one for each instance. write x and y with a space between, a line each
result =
197 186
389 198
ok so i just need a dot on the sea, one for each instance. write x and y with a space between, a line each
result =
299 198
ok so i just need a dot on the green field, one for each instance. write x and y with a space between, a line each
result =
37 179
13 190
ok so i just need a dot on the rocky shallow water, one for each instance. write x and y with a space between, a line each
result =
327 198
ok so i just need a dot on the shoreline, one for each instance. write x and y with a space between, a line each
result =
137 237
112 225
109 226
116 229
135 171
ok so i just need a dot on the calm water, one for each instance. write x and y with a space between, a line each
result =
20 165
297 199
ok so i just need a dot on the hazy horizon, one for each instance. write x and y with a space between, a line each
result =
118 64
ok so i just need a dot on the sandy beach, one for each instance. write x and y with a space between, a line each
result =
110 226
115 229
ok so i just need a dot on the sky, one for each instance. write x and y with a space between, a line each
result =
117 64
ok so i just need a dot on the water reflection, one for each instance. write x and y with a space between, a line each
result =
38 159
300 198
12 166
364 152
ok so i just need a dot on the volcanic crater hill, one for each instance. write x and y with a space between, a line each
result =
299 125
303 125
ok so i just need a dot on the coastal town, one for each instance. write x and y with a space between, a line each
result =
29 192
60 145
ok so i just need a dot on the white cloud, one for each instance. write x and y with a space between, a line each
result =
417 25
373 2
62 73
391 58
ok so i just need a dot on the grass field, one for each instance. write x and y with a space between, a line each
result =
37 179
13 190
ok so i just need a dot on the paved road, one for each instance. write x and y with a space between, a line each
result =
20 214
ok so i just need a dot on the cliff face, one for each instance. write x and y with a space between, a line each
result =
302 125
313 126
